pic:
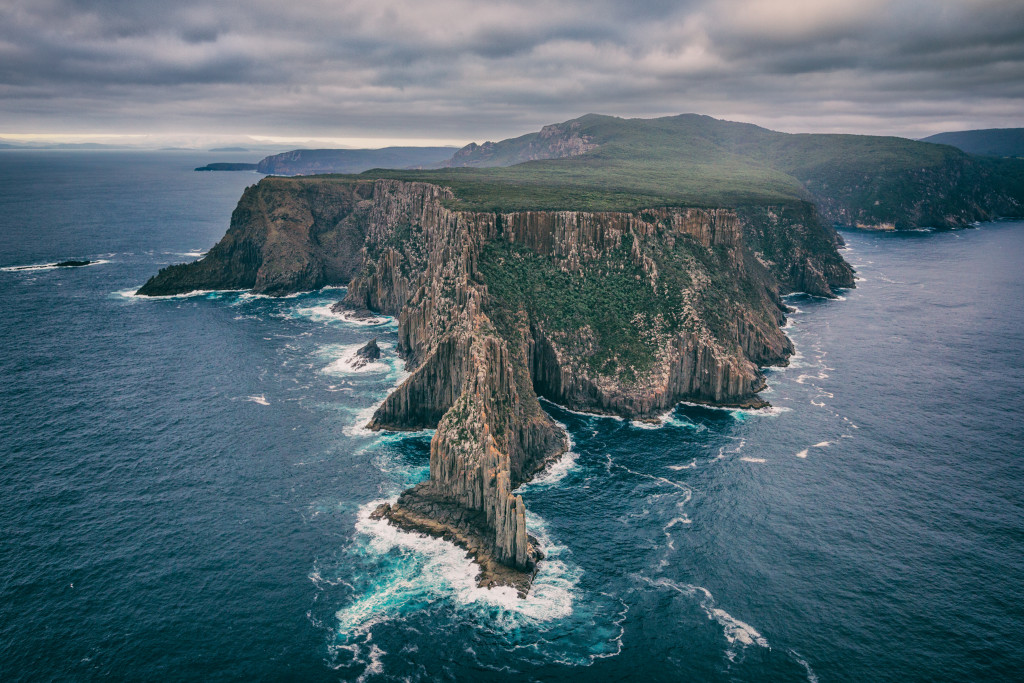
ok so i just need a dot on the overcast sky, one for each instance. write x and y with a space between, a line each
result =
449 70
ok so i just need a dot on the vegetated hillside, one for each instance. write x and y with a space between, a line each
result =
996 142
316 161
606 163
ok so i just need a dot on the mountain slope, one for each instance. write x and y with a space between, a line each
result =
996 142
606 163
314 161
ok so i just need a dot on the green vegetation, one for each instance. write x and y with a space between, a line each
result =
610 297
610 305
997 142
698 161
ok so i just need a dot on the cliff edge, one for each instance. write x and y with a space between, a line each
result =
623 313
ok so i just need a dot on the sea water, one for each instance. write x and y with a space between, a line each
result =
186 481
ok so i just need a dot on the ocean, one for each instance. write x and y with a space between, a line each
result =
185 481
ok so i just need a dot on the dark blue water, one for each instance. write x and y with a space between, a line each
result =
184 483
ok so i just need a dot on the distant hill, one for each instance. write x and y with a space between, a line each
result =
316 161
996 142
227 166
600 162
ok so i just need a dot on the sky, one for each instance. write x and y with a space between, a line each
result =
375 72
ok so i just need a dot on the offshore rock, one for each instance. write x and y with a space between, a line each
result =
352 311
366 354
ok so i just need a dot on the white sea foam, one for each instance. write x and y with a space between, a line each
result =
581 412
811 676
347 362
693 464
261 399
443 569
736 632
363 417
130 294
323 313
749 459
769 411
722 452
556 470
820 444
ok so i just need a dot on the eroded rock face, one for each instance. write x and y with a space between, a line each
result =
476 376
622 313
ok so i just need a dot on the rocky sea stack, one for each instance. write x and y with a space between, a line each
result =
367 354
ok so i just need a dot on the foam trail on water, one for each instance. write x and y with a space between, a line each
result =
811 676
736 632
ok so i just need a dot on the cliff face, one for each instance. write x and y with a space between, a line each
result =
954 191
557 141
623 313
620 313
284 237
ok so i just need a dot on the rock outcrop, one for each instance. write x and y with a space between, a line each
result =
366 354
618 312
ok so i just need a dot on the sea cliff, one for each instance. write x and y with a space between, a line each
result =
624 313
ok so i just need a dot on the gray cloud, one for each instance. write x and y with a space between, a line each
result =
465 70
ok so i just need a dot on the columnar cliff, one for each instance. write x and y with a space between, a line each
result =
617 312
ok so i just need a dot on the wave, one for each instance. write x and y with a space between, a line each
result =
690 466
581 413
261 399
746 458
820 444
323 313
556 470
348 362
406 574
206 293
735 631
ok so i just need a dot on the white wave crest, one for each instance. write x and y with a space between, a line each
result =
736 632
347 360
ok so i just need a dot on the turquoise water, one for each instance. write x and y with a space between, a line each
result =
185 481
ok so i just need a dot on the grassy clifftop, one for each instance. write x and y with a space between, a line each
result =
599 163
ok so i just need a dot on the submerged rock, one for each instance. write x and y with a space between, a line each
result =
73 264
353 311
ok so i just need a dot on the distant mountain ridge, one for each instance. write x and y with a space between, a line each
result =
598 162
319 161
996 142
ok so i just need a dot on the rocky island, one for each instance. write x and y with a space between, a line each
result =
619 268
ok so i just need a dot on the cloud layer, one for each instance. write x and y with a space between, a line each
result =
467 70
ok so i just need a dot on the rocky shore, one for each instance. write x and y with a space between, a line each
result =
624 313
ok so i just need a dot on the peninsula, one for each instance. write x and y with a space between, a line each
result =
610 265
